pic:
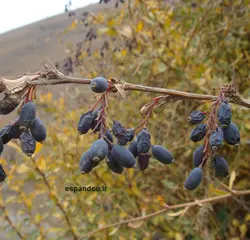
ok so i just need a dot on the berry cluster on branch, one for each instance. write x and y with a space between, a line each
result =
118 156
213 133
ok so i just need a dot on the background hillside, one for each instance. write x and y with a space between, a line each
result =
25 49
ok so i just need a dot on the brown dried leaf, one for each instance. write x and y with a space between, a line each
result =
232 179
126 31
120 89
114 231
135 224
17 84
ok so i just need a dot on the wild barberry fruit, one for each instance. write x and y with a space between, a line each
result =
99 85
85 122
131 133
196 117
133 148
198 133
143 161
28 143
99 150
123 156
15 130
216 139
38 130
220 165
5 134
10 132
224 113
120 133
194 179
198 156
27 115
113 164
162 154
8 104
231 134
86 163
143 141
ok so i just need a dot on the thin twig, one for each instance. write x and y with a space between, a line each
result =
7 218
232 192
177 206
56 199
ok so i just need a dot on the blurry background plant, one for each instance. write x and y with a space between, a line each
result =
193 47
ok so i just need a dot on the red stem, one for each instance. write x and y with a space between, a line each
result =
211 126
150 106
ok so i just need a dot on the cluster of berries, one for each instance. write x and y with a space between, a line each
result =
28 128
225 130
117 155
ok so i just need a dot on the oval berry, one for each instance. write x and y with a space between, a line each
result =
143 141
123 156
99 85
196 117
220 165
216 139
86 163
131 133
99 150
143 161
194 179
113 164
198 156
28 143
121 134
198 133
9 104
27 115
224 113
38 130
85 122
162 154
133 148
231 134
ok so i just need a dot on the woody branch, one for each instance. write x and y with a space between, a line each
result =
51 76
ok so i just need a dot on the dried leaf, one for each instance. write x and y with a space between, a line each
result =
114 231
185 210
175 214
126 31
215 191
120 89
135 224
232 179
16 85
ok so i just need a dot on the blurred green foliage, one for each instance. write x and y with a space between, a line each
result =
194 47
